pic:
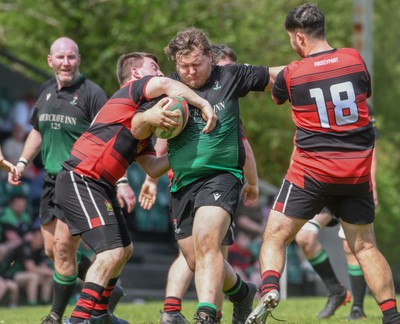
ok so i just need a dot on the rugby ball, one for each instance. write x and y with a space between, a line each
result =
174 104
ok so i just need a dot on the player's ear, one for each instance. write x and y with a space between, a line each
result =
300 38
135 73
50 61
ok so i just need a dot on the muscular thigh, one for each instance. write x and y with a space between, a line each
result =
282 227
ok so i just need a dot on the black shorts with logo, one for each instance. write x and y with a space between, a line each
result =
92 211
351 203
220 189
49 207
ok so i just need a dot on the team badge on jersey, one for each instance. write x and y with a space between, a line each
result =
48 96
74 100
216 85
109 206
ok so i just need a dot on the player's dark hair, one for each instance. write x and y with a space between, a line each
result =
307 18
186 41
128 61
220 51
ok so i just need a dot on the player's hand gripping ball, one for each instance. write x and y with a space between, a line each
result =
174 104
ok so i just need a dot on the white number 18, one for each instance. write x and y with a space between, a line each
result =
345 110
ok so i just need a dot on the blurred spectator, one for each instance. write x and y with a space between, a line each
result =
9 288
27 266
21 112
12 146
5 109
249 226
16 221
34 260
243 261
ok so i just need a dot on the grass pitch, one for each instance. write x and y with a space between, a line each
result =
294 310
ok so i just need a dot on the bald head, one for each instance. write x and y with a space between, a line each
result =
62 43
64 59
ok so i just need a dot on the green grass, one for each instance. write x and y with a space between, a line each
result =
294 310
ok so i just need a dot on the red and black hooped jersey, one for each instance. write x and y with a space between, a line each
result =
334 137
107 148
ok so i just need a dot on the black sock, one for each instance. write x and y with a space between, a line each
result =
322 266
84 264
208 309
358 284
270 281
101 307
63 287
89 297
238 292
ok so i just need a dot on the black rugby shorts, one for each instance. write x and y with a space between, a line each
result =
220 189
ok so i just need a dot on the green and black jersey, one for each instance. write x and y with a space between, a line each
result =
61 116
194 155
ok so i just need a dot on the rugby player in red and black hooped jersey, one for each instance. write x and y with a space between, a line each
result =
334 146
101 156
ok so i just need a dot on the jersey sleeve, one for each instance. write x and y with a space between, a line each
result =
96 99
249 77
34 119
138 90
143 106
280 92
145 147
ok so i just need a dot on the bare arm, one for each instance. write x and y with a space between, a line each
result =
148 191
125 195
142 122
154 166
163 85
7 166
31 149
273 72
250 189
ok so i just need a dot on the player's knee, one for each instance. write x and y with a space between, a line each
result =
304 239
49 251
111 258
128 251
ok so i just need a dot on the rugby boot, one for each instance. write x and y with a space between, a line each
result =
68 321
356 313
203 318
107 318
172 318
243 308
391 319
52 318
333 303
266 305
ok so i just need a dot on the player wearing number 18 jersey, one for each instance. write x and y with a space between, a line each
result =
334 144
334 138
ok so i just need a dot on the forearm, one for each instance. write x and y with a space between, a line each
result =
172 88
140 129
273 72
32 145
154 166
250 166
